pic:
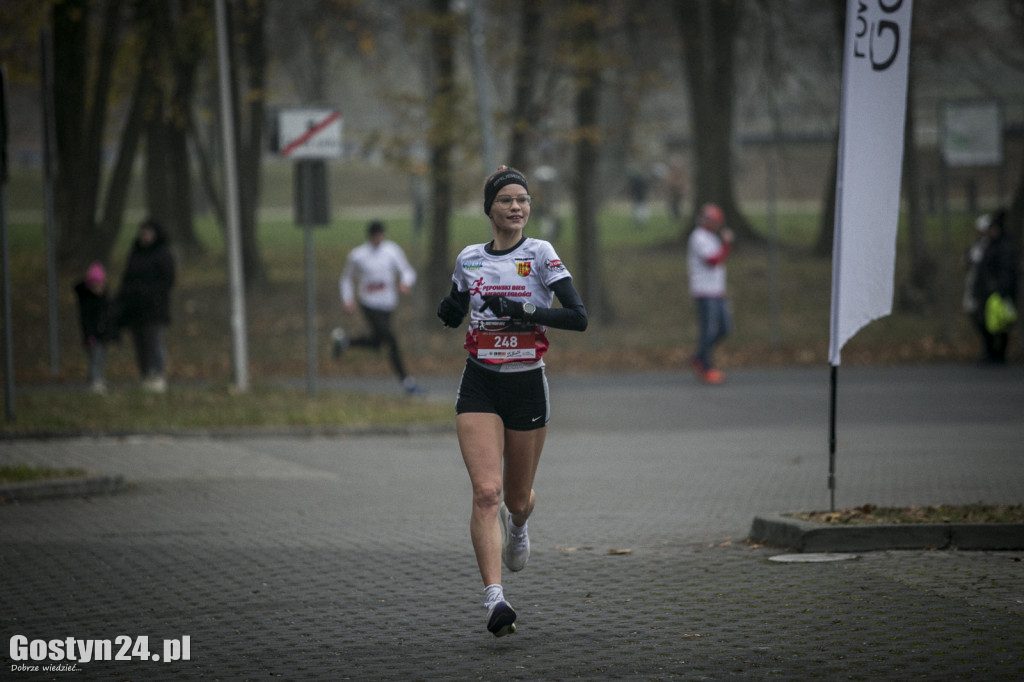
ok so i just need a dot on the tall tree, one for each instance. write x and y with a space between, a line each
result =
920 289
586 16
248 59
524 110
249 64
1015 216
177 45
709 31
441 136
83 88
826 227
111 220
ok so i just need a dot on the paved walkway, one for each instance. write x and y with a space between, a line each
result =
348 557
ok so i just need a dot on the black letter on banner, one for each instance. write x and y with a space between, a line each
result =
884 26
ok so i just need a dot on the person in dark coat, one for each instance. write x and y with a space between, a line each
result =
996 274
145 301
97 326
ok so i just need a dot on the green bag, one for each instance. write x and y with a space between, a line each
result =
999 314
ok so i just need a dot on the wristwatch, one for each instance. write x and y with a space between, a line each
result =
528 310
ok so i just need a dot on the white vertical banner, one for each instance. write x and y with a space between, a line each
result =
874 105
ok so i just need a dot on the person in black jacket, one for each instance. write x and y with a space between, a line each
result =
94 317
145 302
996 274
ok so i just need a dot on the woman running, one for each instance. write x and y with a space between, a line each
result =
506 286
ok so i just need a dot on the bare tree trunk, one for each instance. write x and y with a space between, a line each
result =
80 114
524 114
207 174
167 174
182 211
185 53
251 34
1015 228
121 175
158 200
443 97
920 290
826 229
1015 216
708 29
586 176
69 97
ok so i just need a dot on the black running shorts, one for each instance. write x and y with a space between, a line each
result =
519 398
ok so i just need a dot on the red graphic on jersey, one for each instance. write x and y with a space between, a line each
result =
524 267
477 288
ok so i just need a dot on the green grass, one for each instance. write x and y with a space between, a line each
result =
202 408
23 473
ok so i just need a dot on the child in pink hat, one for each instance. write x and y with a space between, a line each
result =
95 320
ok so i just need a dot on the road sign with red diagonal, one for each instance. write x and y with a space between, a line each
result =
309 134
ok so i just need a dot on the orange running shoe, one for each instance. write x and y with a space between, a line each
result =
712 376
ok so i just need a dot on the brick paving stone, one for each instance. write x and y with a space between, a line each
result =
348 557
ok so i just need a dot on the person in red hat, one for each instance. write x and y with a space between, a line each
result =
708 248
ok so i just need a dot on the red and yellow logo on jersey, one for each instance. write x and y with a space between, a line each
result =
524 268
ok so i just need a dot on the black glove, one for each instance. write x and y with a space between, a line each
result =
503 307
450 312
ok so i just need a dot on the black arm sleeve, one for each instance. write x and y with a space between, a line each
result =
453 308
461 297
572 315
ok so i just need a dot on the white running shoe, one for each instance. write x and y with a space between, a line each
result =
515 547
154 383
411 387
339 342
501 618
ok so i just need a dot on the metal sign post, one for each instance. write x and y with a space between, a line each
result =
49 219
236 280
8 334
310 136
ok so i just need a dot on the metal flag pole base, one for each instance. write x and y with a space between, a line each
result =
832 440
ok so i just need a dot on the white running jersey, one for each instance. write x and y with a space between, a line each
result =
707 280
524 274
376 269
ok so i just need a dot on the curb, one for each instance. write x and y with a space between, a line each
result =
60 487
229 433
797 535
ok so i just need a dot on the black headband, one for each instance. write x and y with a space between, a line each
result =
508 176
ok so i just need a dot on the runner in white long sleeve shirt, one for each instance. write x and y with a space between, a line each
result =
375 273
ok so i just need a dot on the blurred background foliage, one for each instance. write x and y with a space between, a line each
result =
590 98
